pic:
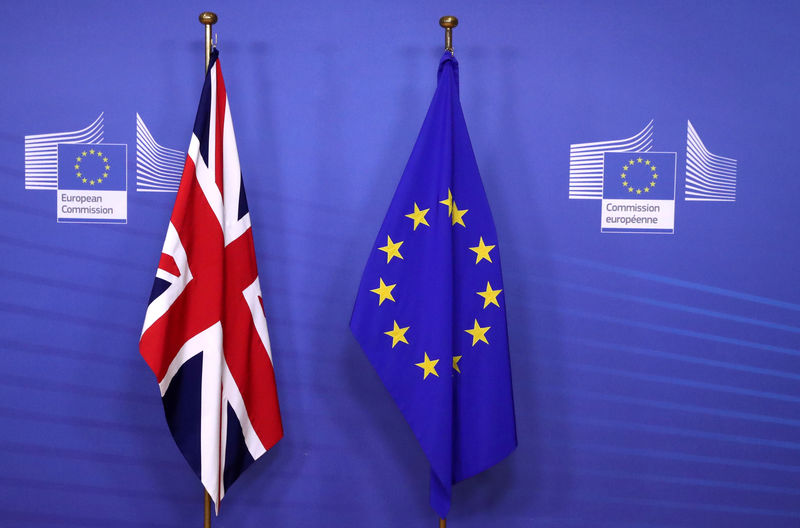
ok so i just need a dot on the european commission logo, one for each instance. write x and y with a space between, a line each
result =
637 186
92 183
638 192
90 176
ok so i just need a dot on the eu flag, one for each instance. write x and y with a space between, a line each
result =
430 310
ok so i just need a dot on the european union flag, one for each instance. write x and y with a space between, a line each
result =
92 166
430 310
639 175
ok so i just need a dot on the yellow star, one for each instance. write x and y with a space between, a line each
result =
99 180
384 292
91 151
428 366
80 174
78 159
652 184
655 176
630 189
630 162
490 295
647 162
482 251
397 334
625 168
83 153
625 183
458 215
84 180
105 159
448 202
623 176
478 333
647 189
105 175
638 191
91 182
639 160
108 167
455 364
653 168
418 216
77 166
99 154
392 249
453 210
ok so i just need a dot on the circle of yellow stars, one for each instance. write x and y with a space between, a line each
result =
482 252
87 155
626 182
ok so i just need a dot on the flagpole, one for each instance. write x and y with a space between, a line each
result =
448 23
208 19
206 510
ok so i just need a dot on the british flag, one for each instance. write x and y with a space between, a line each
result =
205 333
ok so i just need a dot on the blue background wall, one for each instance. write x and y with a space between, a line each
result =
656 377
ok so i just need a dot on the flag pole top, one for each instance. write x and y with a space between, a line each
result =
448 23
208 18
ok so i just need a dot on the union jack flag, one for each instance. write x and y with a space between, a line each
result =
205 333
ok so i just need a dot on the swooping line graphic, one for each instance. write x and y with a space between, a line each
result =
41 153
586 162
709 177
158 168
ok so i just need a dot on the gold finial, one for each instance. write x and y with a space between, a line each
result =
208 18
448 23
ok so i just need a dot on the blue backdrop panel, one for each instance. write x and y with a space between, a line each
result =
656 376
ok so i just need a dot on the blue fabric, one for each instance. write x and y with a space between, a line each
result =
184 399
463 420
202 120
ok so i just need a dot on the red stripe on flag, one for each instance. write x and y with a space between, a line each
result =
245 354
222 101
167 263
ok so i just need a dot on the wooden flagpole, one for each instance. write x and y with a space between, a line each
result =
206 510
208 19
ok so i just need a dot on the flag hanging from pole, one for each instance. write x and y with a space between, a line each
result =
430 310
205 333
